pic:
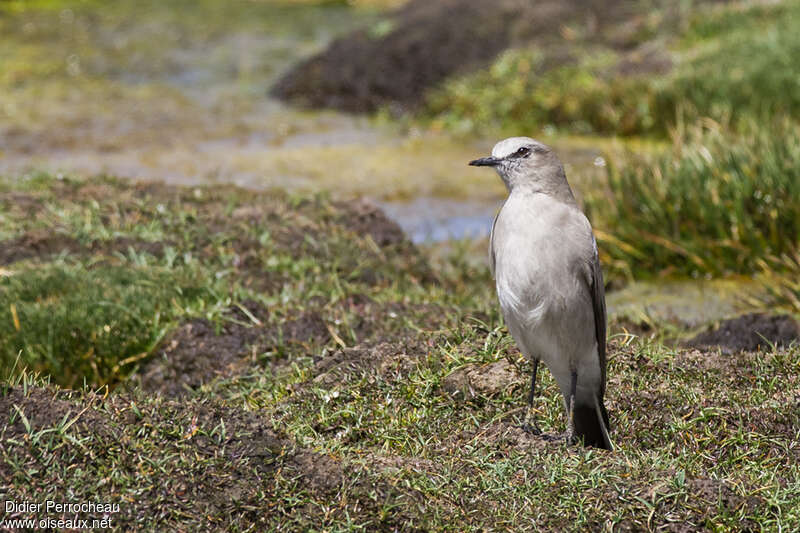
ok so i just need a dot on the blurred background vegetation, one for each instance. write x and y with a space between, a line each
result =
720 86
733 64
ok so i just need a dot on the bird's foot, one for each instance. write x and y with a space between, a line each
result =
531 428
529 424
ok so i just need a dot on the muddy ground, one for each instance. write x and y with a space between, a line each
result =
749 332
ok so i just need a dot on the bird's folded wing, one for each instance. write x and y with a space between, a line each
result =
599 307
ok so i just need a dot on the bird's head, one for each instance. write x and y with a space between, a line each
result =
522 161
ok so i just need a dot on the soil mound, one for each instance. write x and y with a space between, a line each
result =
196 353
363 217
394 61
748 333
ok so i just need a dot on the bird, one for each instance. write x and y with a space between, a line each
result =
544 259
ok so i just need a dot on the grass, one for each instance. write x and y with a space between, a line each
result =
362 389
519 93
733 64
78 323
717 204
102 271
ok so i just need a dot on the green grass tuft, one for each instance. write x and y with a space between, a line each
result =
719 204
78 324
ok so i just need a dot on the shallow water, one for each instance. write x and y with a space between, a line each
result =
686 304
427 220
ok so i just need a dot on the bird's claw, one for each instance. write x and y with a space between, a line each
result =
527 427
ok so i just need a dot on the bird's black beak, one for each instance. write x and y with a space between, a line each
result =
485 162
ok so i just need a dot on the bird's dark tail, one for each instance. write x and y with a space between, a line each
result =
591 425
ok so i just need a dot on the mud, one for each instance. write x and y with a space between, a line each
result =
198 352
750 332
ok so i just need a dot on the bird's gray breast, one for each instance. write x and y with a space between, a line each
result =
540 247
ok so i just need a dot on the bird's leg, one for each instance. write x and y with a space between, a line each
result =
530 421
571 407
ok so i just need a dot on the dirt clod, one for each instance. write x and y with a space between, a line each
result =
365 218
472 381
750 332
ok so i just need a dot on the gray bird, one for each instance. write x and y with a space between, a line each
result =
544 259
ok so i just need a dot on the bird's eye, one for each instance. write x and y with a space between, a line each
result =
522 152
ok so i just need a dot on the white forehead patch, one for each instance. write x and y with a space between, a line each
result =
506 147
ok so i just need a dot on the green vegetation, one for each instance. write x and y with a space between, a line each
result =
336 381
97 272
732 64
518 93
716 204
81 323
